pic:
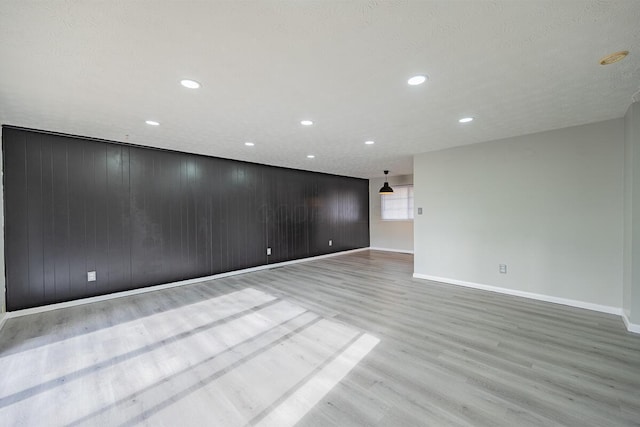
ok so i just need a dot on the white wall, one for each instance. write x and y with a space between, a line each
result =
631 280
392 235
549 205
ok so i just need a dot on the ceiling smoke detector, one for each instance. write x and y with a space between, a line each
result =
614 57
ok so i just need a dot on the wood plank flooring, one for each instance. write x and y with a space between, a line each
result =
348 340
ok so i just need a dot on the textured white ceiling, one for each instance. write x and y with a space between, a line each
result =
101 68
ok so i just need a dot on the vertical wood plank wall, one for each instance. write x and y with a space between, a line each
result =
140 216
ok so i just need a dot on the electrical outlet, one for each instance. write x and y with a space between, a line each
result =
503 268
330 242
419 211
91 276
268 251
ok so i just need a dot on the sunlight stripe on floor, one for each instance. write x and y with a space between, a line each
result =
289 412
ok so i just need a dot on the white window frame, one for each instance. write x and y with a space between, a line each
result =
408 209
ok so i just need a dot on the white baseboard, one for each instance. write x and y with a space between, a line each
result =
631 327
402 251
541 297
99 298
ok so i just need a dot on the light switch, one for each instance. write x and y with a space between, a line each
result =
268 251
419 211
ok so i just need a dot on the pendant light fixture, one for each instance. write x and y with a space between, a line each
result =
385 188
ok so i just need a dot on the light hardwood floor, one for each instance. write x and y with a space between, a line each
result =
349 340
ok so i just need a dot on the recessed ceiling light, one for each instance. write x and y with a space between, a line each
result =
249 144
311 156
152 123
306 122
614 57
191 84
466 120
369 142
417 80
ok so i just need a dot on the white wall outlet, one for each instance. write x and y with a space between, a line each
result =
91 276
503 268
330 242
419 211
268 251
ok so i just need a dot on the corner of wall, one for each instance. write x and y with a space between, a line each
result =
3 304
627 226
631 327
631 250
3 318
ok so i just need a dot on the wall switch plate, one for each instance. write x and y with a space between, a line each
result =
268 251
91 276
419 211
330 242
503 268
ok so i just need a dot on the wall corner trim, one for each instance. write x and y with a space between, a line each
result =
540 297
99 298
631 327
402 251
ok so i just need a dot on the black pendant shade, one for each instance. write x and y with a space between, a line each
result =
385 188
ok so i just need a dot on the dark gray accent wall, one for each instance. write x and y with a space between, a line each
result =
140 216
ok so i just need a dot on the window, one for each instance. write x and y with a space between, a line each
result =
399 205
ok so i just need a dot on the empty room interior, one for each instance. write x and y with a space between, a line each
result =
320 213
